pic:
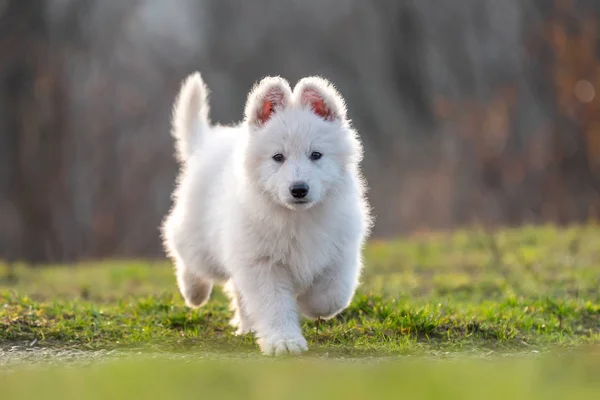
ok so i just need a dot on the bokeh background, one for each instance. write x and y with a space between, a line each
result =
473 112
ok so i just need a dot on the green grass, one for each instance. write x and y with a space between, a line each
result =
547 378
525 290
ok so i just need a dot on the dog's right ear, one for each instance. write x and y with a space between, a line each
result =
269 96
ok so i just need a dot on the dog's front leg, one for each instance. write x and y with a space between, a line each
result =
332 290
269 300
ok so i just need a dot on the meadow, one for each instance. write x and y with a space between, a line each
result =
455 311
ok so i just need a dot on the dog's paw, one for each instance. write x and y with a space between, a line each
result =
241 327
282 346
243 331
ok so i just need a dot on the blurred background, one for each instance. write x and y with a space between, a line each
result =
472 111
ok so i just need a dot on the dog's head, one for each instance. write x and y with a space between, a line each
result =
300 143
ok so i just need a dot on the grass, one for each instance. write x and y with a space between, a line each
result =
473 314
522 290
547 378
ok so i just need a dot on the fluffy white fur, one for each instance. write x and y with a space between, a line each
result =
235 221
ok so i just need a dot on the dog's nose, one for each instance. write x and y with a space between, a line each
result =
299 190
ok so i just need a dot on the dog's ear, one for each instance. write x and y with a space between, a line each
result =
322 97
269 96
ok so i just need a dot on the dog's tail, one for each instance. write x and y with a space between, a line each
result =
190 116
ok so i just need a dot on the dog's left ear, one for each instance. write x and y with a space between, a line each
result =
269 96
322 97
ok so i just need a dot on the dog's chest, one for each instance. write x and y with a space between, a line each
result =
302 251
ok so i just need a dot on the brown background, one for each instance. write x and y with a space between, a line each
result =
472 111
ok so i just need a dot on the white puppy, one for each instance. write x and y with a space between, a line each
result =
275 206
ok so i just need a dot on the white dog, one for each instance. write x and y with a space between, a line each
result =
275 206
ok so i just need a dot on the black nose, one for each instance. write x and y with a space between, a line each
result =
299 190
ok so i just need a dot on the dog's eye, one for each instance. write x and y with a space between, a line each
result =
315 155
279 157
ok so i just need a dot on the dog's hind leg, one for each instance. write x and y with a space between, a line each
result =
195 289
192 270
241 320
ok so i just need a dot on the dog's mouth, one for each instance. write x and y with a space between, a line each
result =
299 204
300 201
